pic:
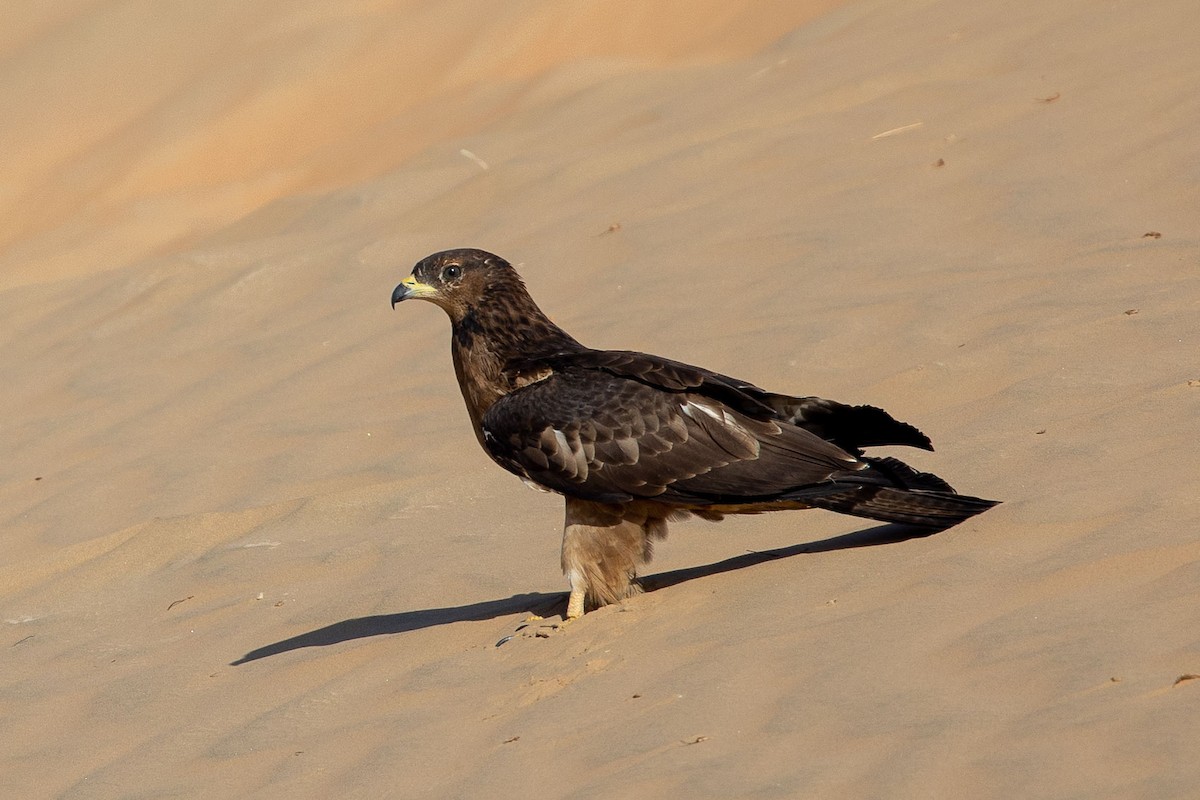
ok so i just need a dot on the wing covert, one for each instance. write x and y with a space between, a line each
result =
591 434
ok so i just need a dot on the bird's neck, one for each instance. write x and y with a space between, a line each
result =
494 344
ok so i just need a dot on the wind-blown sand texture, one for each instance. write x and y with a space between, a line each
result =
251 549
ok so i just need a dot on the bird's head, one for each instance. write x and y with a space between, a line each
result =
457 280
484 297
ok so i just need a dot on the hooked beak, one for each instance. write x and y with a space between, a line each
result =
409 288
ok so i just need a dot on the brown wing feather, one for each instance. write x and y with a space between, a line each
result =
849 427
591 434
663 373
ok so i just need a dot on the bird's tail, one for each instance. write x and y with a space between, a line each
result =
926 509
912 498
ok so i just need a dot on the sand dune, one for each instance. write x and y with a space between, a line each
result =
251 548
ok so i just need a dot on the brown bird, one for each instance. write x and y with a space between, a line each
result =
634 440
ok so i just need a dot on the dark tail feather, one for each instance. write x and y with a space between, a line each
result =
902 476
936 510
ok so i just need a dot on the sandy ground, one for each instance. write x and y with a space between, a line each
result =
251 548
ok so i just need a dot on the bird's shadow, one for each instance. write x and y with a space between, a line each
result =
547 603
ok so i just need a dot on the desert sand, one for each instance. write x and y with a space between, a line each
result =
251 548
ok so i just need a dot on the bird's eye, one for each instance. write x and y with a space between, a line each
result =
451 273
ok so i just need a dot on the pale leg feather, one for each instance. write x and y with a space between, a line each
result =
603 545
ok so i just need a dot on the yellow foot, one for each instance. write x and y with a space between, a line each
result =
575 605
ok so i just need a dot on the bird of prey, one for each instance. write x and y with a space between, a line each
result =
634 440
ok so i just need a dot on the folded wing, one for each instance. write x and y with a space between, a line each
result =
590 432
